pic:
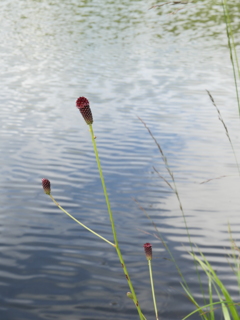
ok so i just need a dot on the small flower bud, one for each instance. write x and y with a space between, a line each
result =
129 295
83 105
46 186
148 250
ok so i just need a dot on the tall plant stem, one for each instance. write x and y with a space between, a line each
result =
81 224
175 190
232 49
152 286
113 226
226 129
159 236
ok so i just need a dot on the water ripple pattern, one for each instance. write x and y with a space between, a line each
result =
130 61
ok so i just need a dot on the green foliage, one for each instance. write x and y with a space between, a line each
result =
232 49
229 309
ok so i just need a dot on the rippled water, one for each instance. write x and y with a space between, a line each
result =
128 61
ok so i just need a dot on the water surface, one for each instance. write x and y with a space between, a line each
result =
129 62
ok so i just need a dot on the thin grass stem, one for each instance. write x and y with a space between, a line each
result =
113 226
232 49
194 302
175 190
205 265
172 178
226 129
152 286
235 257
81 224
211 299
231 35
159 236
203 307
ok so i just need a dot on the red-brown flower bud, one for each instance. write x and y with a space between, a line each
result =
83 105
148 250
46 186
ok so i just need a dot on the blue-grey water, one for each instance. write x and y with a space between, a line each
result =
130 61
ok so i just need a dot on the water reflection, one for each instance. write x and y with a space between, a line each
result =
129 61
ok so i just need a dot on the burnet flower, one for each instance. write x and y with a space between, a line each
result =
148 250
83 105
46 186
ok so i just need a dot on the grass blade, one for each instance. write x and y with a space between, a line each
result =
232 49
205 265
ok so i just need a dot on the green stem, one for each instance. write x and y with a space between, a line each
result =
232 36
152 286
232 49
174 188
81 224
113 226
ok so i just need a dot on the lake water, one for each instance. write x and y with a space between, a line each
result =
129 62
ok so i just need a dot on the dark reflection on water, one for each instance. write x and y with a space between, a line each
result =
128 61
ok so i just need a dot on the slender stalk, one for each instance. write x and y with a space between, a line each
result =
81 224
226 129
225 4
235 256
175 190
160 237
152 286
232 49
113 226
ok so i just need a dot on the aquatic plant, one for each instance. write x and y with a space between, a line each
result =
215 285
225 128
148 251
47 189
228 305
84 107
207 311
232 49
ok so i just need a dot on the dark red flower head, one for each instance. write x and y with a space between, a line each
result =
46 186
83 105
148 250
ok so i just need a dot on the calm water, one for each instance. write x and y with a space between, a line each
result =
128 61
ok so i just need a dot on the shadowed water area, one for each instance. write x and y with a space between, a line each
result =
129 62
